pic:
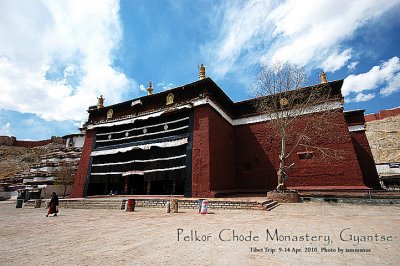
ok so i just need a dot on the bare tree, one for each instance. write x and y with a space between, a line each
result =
65 176
284 98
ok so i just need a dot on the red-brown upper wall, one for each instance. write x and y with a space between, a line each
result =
12 141
382 114
248 107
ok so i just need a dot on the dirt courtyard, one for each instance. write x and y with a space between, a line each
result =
291 234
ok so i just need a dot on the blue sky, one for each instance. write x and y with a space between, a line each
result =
57 57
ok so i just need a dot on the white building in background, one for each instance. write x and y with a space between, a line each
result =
42 175
389 175
74 140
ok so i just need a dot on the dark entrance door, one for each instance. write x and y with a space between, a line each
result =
135 185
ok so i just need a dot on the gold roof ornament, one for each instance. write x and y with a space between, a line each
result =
150 88
100 102
283 102
170 99
110 113
202 72
323 77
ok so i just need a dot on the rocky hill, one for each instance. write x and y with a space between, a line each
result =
384 139
16 159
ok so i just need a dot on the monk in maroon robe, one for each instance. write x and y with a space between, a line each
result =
53 205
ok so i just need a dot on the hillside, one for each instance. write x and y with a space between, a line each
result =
15 159
384 139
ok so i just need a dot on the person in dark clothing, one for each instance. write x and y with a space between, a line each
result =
53 205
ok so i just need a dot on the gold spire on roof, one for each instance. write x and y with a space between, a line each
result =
150 88
202 72
323 77
100 102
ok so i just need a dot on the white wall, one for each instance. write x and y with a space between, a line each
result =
49 189
385 169
9 194
77 141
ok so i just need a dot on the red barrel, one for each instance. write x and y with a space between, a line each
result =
131 205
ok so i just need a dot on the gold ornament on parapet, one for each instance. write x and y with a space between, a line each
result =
170 99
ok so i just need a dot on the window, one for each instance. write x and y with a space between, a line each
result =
306 155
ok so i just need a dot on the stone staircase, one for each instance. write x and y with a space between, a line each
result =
119 204
269 205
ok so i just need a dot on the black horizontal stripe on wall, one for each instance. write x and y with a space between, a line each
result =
176 173
172 120
139 130
143 142
148 136
139 166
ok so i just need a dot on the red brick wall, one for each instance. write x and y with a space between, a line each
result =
330 172
222 153
213 153
31 144
382 114
201 170
258 150
249 160
81 173
371 117
37 143
256 157
364 155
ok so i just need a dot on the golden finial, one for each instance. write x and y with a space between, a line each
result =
323 77
202 74
100 102
150 88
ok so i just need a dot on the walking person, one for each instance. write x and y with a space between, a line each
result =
53 205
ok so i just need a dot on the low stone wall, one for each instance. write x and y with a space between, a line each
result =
194 204
83 204
155 203
352 200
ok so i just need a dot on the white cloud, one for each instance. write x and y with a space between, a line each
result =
5 130
335 61
165 86
393 86
352 66
243 29
301 32
385 75
142 88
361 97
311 31
56 57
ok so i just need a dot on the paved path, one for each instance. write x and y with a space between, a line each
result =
150 236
